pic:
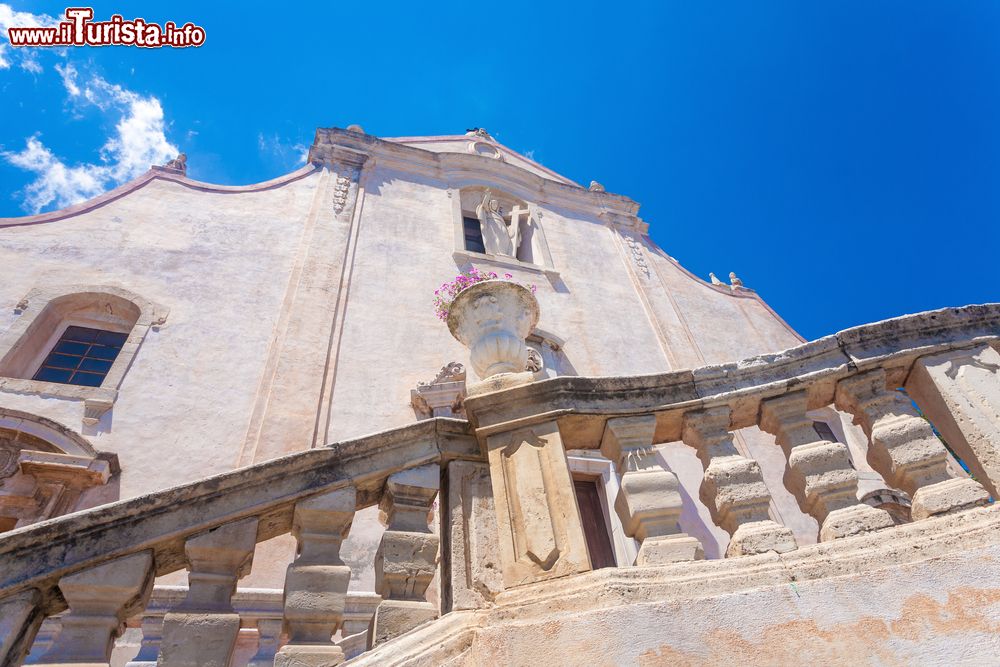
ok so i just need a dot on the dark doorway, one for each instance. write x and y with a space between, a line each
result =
595 529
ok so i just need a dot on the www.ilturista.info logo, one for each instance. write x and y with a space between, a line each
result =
80 30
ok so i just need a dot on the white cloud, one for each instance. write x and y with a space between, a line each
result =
26 57
56 182
138 142
286 153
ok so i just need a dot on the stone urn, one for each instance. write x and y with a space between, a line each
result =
493 318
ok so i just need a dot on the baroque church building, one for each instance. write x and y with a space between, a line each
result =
234 431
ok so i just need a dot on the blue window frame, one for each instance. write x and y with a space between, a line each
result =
83 357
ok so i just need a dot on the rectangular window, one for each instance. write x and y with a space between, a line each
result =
595 529
824 431
473 235
82 356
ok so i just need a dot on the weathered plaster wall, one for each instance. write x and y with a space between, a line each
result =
220 261
937 612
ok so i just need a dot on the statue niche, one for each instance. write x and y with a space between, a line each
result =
506 225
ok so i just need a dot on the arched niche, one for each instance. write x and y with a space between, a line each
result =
500 227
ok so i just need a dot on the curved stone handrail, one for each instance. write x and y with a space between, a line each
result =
37 556
584 404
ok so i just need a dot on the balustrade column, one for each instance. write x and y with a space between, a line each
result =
649 500
407 555
268 640
316 583
959 391
903 447
20 618
100 599
819 472
202 629
733 487
149 649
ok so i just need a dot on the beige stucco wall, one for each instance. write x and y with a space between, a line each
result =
291 326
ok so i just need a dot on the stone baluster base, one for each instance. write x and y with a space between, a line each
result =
904 449
819 472
407 555
733 487
649 501
202 630
99 600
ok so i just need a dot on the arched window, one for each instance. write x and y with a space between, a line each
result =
76 341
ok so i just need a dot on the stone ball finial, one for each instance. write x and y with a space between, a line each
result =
355 128
596 187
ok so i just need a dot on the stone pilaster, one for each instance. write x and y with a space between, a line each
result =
733 487
649 500
819 472
316 583
959 391
100 598
149 649
202 629
903 447
407 556
268 639
474 563
20 618
538 521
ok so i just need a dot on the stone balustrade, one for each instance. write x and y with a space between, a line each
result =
100 563
508 514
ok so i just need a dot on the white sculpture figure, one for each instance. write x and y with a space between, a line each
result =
734 281
495 237
499 236
715 281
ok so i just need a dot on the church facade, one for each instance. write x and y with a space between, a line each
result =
204 384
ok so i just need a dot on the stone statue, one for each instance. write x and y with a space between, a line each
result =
715 281
179 163
596 187
495 237
500 237
734 281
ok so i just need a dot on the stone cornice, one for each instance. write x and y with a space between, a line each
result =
459 170
154 173
583 404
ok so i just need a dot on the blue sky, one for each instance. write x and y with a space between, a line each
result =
842 157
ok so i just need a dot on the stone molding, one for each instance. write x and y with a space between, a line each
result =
155 173
458 170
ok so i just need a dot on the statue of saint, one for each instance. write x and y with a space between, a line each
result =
499 236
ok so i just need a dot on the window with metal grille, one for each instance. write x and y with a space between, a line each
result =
83 356
473 235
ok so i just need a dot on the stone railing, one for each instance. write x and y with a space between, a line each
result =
96 568
946 360
508 510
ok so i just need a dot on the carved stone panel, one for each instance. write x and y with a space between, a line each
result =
475 553
959 391
538 521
